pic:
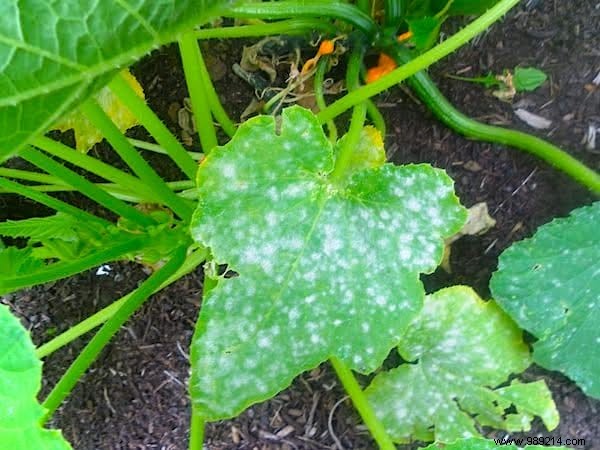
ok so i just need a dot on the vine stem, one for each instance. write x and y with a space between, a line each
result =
91 351
118 177
191 262
85 186
31 176
426 89
320 97
51 202
197 424
191 59
419 63
289 27
362 405
196 156
359 113
154 125
116 191
212 97
133 159
304 8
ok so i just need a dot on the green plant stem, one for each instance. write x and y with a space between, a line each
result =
449 115
132 158
190 57
288 27
84 186
376 117
320 97
30 176
344 155
346 151
91 351
419 63
106 171
394 11
50 202
305 8
197 424
61 270
213 99
154 125
362 405
112 189
192 261
196 156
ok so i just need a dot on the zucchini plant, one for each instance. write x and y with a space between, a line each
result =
325 240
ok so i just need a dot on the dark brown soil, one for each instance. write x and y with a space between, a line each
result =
135 397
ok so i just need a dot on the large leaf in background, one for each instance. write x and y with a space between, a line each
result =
54 54
550 285
488 444
324 270
20 381
463 348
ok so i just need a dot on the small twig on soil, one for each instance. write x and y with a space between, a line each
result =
338 443
516 191
108 404
311 415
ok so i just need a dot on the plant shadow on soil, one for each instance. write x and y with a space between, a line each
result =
135 396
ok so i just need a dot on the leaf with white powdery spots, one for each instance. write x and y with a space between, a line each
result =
550 285
463 348
20 381
324 270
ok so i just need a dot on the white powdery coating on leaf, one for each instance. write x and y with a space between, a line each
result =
334 271
463 348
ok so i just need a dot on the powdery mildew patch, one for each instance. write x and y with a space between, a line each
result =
462 348
550 284
323 270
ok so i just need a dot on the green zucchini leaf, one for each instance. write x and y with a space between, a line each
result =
464 7
323 270
425 31
488 444
421 8
62 245
550 285
53 55
528 78
20 381
16 261
37 229
461 349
